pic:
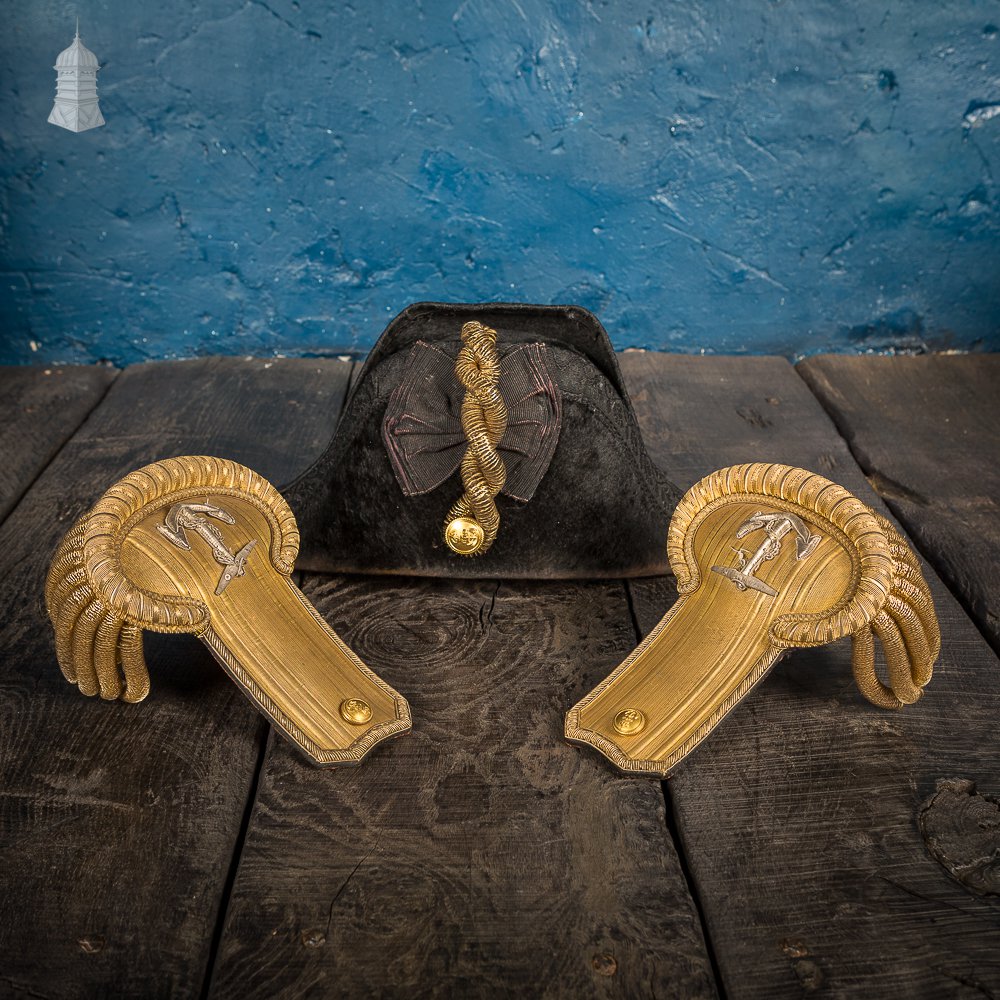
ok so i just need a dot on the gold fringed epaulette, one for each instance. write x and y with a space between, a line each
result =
205 545
767 558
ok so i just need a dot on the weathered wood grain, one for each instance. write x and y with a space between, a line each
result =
481 855
39 409
118 822
926 432
836 849
804 816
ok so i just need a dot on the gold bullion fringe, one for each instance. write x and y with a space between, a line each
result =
99 614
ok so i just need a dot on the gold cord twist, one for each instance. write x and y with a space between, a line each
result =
473 521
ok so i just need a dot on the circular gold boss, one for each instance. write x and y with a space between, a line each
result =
629 722
355 711
464 536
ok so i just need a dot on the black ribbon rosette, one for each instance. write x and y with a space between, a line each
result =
581 497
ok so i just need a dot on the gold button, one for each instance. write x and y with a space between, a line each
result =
629 721
464 536
355 711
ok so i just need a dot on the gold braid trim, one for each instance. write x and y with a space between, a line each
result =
99 614
888 596
473 521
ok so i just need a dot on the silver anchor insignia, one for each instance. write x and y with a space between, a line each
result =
776 526
184 516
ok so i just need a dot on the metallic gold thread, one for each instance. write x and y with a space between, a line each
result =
98 614
860 579
473 522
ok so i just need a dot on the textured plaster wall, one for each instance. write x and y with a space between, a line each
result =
282 176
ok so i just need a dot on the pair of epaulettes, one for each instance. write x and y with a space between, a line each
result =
465 453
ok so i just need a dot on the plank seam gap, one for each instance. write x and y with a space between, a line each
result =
265 734
868 469
639 636
251 803
57 450
673 829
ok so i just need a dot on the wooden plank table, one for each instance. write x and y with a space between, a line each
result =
40 408
813 845
802 818
118 829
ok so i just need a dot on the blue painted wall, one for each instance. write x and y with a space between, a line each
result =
282 176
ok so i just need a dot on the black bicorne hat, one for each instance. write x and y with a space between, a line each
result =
581 499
